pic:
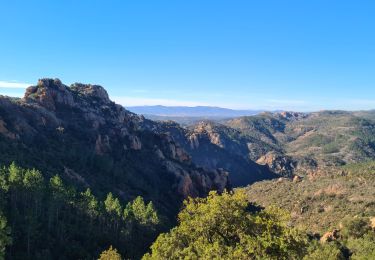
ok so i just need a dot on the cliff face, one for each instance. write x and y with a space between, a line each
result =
79 132
213 146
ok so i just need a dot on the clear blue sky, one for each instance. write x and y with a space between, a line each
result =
296 55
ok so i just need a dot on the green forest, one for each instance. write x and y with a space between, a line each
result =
46 219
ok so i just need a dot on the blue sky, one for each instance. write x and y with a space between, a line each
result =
293 55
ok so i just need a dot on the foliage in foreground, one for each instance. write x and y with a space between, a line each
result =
48 220
222 227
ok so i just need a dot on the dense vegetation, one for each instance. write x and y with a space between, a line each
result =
222 227
49 220
320 201
311 140
46 219
227 227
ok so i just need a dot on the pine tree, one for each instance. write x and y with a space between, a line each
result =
5 239
110 254
112 205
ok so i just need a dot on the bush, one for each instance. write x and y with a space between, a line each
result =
355 227
221 227
327 251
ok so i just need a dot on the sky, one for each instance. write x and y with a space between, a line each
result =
289 55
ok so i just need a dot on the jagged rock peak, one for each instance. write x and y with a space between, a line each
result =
292 115
94 91
45 83
49 92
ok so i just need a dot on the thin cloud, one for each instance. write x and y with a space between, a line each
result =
136 101
12 84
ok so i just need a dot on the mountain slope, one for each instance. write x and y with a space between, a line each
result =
320 202
303 142
212 145
95 143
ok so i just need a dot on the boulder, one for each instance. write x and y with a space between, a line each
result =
297 178
330 236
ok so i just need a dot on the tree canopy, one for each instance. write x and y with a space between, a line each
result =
51 220
222 227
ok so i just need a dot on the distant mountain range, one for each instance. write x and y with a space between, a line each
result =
198 111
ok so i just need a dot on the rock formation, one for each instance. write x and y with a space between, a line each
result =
79 132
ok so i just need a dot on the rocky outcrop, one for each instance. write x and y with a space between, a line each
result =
330 236
49 93
93 91
135 143
297 179
187 184
372 222
102 145
292 115
211 146
193 140
278 163
207 129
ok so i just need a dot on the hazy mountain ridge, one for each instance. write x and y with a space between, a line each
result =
185 111
185 115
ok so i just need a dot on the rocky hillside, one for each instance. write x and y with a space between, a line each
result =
259 147
304 142
212 145
79 132
323 200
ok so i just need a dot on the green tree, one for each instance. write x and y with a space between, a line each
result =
5 239
89 203
355 227
112 205
51 220
33 184
362 248
110 254
221 227
4 183
327 251
144 214
15 174
33 180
